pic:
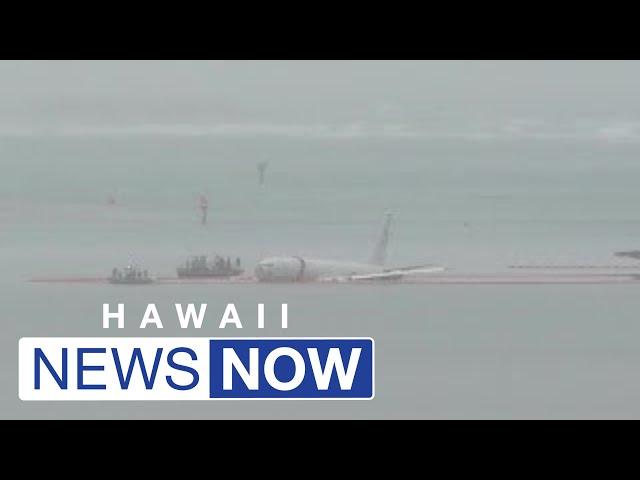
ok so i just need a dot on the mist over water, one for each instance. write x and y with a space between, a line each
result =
541 171
466 204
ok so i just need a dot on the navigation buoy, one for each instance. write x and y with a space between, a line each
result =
204 207
262 171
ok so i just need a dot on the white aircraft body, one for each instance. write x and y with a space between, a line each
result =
300 269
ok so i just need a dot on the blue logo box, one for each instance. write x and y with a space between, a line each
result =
292 368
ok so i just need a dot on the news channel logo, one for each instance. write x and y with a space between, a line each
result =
141 369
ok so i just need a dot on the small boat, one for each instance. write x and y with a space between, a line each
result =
130 275
635 254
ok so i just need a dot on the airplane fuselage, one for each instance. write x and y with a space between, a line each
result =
300 269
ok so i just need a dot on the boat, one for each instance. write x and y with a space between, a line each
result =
130 275
635 254
200 267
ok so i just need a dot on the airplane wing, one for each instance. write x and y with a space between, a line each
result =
398 273
388 275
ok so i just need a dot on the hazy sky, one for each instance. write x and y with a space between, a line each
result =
51 92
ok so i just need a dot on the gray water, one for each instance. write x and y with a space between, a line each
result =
471 204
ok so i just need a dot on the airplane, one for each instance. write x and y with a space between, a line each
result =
300 269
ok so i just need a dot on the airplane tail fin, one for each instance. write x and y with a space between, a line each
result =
379 256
